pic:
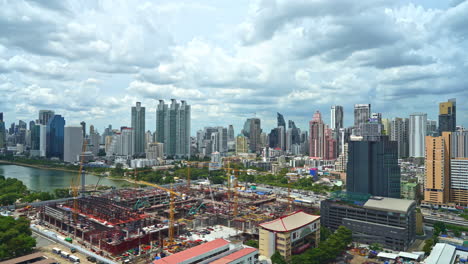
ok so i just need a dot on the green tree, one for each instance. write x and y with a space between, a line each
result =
439 228
15 237
428 246
276 258
324 233
62 193
101 153
252 243
375 247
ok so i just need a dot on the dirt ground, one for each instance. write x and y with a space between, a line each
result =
361 259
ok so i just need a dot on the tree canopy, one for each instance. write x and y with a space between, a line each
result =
15 237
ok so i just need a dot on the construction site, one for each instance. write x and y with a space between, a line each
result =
162 220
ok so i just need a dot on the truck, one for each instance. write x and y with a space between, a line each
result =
74 259
65 254
56 250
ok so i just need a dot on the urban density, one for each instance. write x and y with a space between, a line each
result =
208 157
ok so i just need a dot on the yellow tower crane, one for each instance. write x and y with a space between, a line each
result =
171 205
75 184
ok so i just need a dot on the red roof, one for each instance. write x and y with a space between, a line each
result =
234 256
192 252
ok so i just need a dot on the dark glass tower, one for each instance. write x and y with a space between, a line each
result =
373 168
448 116
55 137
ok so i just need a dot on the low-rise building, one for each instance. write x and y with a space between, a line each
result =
219 251
289 234
390 222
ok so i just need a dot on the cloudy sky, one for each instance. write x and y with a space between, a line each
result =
92 60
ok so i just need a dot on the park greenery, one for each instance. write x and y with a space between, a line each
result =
15 237
328 250
12 190
252 243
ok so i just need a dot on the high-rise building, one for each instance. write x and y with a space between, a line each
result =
2 133
431 128
317 136
73 143
280 119
1 116
94 140
155 150
148 138
458 181
373 168
83 127
45 116
43 140
371 131
231 137
212 139
91 129
55 137
252 130
36 138
437 169
386 123
242 145
336 121
173 127
448 116
459 147
138 125
417 134
399 132
362 113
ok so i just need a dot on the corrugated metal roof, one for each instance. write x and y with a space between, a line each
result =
290 222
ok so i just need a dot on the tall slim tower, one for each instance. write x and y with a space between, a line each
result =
336 120
417 134
83 127
138 125
448 116
399 131
252 130
317 136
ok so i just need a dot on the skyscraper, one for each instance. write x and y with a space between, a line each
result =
417 134
280 119
55 137
42 140
459 147
448 116
45 116
83 127
173 127
73 143
231 137
241 144
437 169
431 128
2 133
35 140
252 130
138 125
362 114
399 132
317 136
373 168
336 121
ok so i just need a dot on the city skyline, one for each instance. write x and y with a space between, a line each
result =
250 62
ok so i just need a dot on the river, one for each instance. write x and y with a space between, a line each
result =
47 180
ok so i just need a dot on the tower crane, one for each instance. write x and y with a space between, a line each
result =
76 182
172 196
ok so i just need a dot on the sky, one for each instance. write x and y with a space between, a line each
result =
231 60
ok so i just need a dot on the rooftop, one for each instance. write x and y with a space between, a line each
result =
441 254
193 252
234 256
290 222
389 204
